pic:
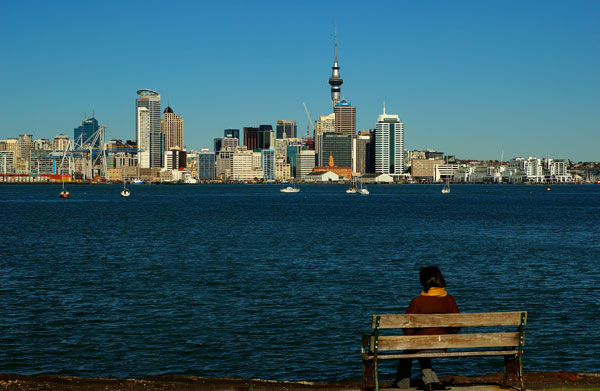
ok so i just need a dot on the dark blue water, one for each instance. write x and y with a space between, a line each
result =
245 281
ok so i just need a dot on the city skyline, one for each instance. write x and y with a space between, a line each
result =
473 80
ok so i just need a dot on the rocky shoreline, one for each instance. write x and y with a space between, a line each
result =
533 381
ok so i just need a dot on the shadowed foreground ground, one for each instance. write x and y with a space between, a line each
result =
533 381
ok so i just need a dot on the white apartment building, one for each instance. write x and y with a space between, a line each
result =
244 167
389 144
305 162
143 136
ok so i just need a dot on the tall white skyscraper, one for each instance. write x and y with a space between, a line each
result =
389 144
156 145
143 136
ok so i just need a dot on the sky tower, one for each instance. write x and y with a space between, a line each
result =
335 81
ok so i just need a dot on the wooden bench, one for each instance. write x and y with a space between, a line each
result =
509 344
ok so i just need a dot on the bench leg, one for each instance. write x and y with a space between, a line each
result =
368 375
513 369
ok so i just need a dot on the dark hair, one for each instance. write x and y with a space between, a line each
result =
431 276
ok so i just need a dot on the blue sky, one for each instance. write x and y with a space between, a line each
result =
470 78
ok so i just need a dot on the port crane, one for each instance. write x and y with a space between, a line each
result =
309 121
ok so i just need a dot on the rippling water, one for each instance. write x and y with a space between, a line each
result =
245 281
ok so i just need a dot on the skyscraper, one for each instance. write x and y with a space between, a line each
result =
156 143
235 133
172 126
143 136
87 128
338 146
345 118
259 138
389 144
287 128
335 81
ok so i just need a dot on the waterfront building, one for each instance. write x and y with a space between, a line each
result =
376 178
172 127
223 163
206 165
42 163
389 144
85 131
143 136
443 172
305 162
60 142
25 142
286 129
424 169
322 176
268 163
363 150
175 159
244 167
154 143
283 171
345 118
7 162
339 146
340 171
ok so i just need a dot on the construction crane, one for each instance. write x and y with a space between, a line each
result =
309 121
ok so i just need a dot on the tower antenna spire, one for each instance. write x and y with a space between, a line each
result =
335 39
335 81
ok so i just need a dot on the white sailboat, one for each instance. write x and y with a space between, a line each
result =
362 190
125 192
446 188
290 189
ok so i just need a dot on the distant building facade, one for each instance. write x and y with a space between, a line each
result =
345 118
154 143
389 144
172 127
286 129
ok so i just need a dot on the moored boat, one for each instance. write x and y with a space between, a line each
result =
290 189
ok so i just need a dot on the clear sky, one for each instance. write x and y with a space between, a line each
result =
473 79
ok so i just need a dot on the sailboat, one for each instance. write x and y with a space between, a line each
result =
125 192
290 189
64 193
446 188
362 190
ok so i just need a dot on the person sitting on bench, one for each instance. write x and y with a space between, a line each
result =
433 300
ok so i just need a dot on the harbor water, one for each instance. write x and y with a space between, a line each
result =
246 281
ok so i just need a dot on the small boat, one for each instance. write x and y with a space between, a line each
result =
64 193
351 190
446 188
362 190
138 182
290 189
125 192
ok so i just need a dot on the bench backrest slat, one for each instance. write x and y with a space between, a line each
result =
398 321
448 341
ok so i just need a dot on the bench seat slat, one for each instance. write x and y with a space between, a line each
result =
448 341
399 321
442 354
